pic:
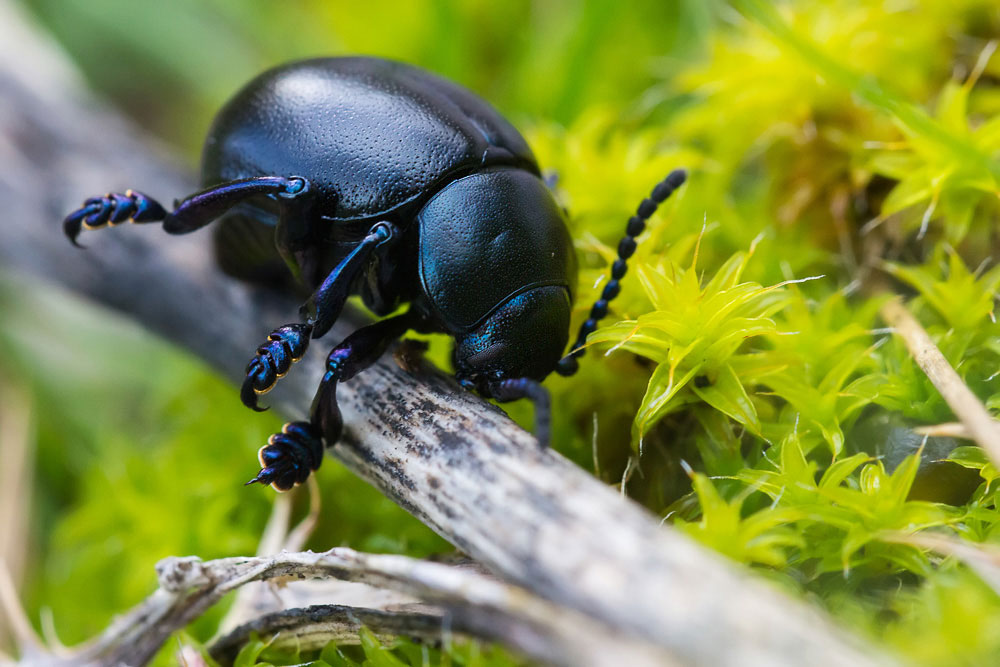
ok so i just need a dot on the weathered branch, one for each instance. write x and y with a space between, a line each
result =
457 463
312 628
465 602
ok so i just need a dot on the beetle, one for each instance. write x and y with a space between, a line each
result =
359 175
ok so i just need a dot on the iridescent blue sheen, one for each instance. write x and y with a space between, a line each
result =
285 345
290 457
112 209
323 308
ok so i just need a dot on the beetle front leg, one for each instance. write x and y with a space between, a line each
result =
290 456
193 213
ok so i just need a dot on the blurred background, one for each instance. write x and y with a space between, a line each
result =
818 136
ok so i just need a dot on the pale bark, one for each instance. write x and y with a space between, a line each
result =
462 601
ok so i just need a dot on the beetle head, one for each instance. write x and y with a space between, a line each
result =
523 338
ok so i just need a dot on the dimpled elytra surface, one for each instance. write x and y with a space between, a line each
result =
375 136
516 244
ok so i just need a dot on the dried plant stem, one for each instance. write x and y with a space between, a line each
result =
312 628
464 601
17 455
983 559
966 406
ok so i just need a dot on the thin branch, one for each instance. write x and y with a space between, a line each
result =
17 452
969 409
948 430
312 628
28 642
464 601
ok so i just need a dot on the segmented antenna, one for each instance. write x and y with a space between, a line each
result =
626 247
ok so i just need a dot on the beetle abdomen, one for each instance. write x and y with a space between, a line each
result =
487 237
372 136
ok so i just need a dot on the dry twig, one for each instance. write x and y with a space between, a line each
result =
969 409
465 602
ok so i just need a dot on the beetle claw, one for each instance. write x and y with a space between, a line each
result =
112 209
73 224
267 477
249 396
289 457
285 345
262 477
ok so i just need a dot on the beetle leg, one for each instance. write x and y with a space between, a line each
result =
285 345
511 390
193 213
324 306
568 365
291 455
203 207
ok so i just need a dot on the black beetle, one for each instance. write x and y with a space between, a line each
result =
372 177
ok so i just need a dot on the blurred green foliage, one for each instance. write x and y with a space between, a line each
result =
854 142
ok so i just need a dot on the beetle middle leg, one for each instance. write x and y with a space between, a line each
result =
286 345
289 457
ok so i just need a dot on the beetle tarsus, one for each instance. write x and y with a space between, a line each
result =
289 457
112 209
285 345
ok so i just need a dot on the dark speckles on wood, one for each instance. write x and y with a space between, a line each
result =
397 472
448 439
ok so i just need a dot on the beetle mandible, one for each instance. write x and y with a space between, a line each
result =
372 177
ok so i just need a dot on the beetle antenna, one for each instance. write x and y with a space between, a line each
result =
568 365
